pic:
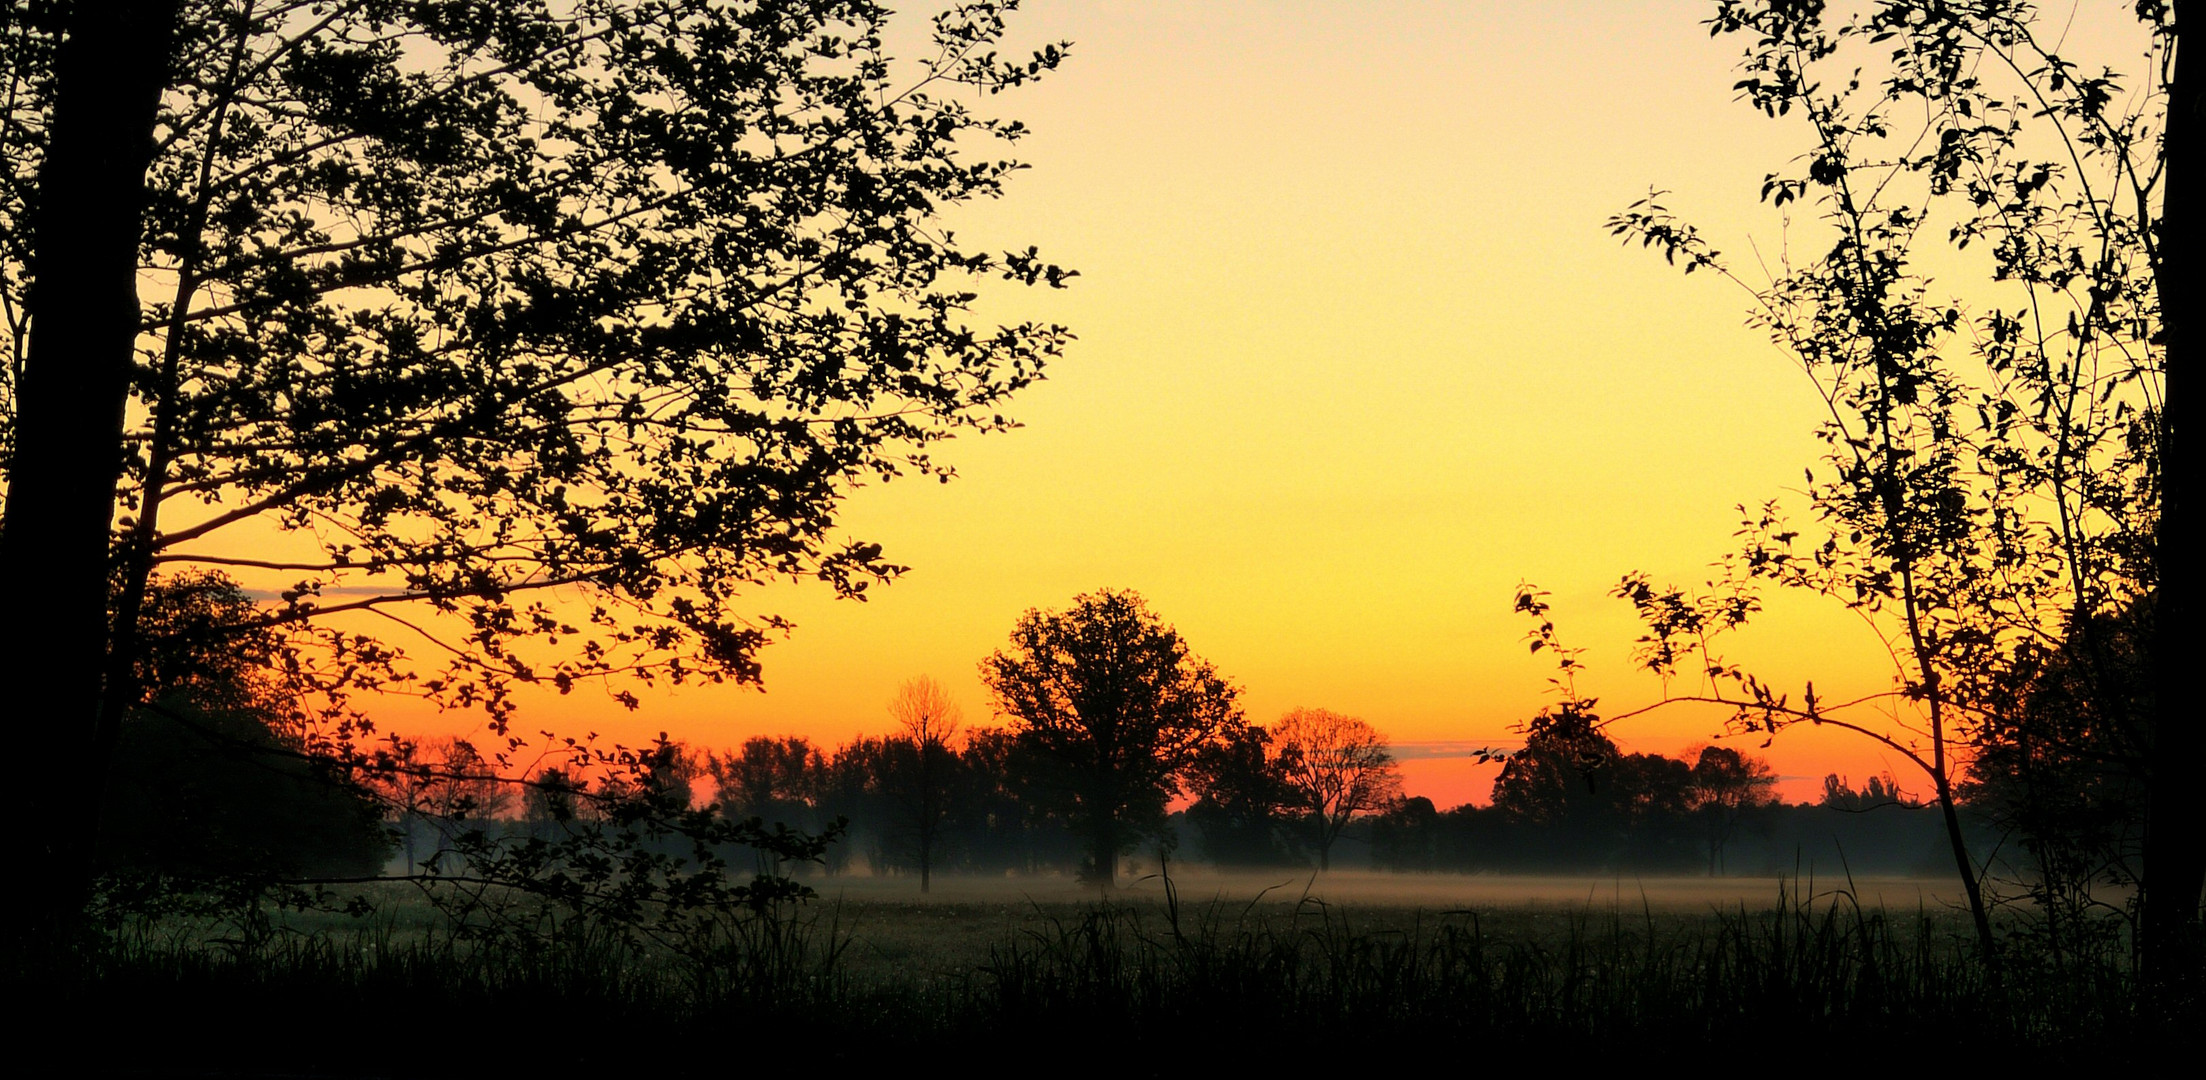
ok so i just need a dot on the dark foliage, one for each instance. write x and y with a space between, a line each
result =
1242 808
1219 987
1115 708
2062 772
480 305
198 795
211 780
2004 469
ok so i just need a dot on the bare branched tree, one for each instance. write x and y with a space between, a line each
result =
1338 767
930 719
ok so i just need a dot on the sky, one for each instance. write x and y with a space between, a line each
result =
1356 356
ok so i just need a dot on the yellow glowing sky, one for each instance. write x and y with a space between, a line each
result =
1355 357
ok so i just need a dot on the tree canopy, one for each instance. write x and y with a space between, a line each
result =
922 762
1113 699
477 306
1243 807
1337 767
211 780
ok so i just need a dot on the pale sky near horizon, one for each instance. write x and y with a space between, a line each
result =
1356 356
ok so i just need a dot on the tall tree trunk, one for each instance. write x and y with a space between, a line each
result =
2175 835
1104 851
930 808
109 72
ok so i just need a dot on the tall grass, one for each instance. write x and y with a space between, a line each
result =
1797 974
1104 982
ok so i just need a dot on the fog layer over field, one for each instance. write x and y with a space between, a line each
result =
1274 891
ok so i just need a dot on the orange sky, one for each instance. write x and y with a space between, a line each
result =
1355 357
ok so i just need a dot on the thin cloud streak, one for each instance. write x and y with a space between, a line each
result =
1453 748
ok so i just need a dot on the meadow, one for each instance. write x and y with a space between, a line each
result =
1157 977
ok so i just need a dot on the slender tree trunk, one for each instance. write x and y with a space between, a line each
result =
930 808
2175 835
926 858
1967 867
109 72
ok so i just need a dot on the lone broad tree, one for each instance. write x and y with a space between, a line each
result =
467 307
1112 699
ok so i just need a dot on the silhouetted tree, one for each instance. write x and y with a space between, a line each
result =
673 771
201 797
468 789
851 786
1541 784
1337 767
768 778
2061 771
476 301
1585 802
548 802
1840 794
1242 800
921 765
1009 808
1726 785
212 781
1404 836
1111 699
1995 473
438 787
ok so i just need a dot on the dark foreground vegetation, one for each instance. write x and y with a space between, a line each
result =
1140 986
606 913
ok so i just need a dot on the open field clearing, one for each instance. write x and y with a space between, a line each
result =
1430 892
1220 970
962 917
955 929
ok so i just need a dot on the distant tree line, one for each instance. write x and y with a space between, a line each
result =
992 803
215 781
1652 814
986 805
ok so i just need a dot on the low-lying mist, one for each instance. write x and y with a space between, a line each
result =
1197 884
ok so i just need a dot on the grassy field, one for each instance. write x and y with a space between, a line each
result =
893 929
1211 969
